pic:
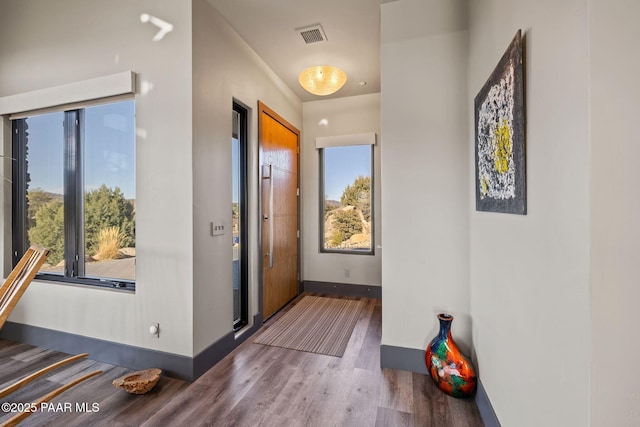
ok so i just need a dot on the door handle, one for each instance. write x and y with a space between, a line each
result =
267 173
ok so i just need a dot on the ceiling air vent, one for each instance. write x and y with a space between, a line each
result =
312 34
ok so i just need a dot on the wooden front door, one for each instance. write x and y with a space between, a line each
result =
279 142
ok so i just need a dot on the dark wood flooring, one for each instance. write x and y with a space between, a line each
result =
255 385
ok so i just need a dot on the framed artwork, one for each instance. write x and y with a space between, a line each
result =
500 179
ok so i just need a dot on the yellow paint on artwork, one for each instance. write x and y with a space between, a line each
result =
484 187
503 147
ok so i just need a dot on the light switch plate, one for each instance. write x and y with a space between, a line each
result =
217 229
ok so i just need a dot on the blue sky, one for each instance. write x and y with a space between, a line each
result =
342 165
109 153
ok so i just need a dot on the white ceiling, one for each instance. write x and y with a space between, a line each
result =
352 28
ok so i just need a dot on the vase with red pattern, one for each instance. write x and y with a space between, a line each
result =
452 371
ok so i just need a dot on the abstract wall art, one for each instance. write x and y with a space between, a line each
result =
500 136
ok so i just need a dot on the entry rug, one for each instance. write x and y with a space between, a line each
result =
316 325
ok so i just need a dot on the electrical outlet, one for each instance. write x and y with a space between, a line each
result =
217 229
154 329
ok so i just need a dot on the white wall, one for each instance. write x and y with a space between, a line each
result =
351 115
47 43
530 274
224 68
615 230
425 171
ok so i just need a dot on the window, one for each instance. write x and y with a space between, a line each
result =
74 193
239 216
346 185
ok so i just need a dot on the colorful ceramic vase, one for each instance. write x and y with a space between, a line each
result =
449 368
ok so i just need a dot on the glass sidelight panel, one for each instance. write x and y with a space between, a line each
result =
239 216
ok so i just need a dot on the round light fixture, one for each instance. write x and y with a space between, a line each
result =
322 80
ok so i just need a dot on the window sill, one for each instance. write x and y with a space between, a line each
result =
347 252
107 284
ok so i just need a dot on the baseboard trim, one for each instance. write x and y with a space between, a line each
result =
412 360
403 359
213 354
219 349
484 406
342 289
132 357
173 365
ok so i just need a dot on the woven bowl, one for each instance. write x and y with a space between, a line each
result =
139 382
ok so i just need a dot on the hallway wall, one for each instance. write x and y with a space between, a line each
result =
529 274
425 174
615 229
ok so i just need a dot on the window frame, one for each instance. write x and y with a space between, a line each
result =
73 173
243 225
321 221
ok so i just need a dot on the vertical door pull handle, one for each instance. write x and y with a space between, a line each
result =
267 173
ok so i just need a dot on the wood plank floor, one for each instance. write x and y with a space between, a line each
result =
255 385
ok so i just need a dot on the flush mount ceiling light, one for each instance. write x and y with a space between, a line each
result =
322 80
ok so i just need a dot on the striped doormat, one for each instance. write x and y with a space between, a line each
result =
316 325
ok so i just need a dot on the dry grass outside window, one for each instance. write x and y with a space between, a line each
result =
109 243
